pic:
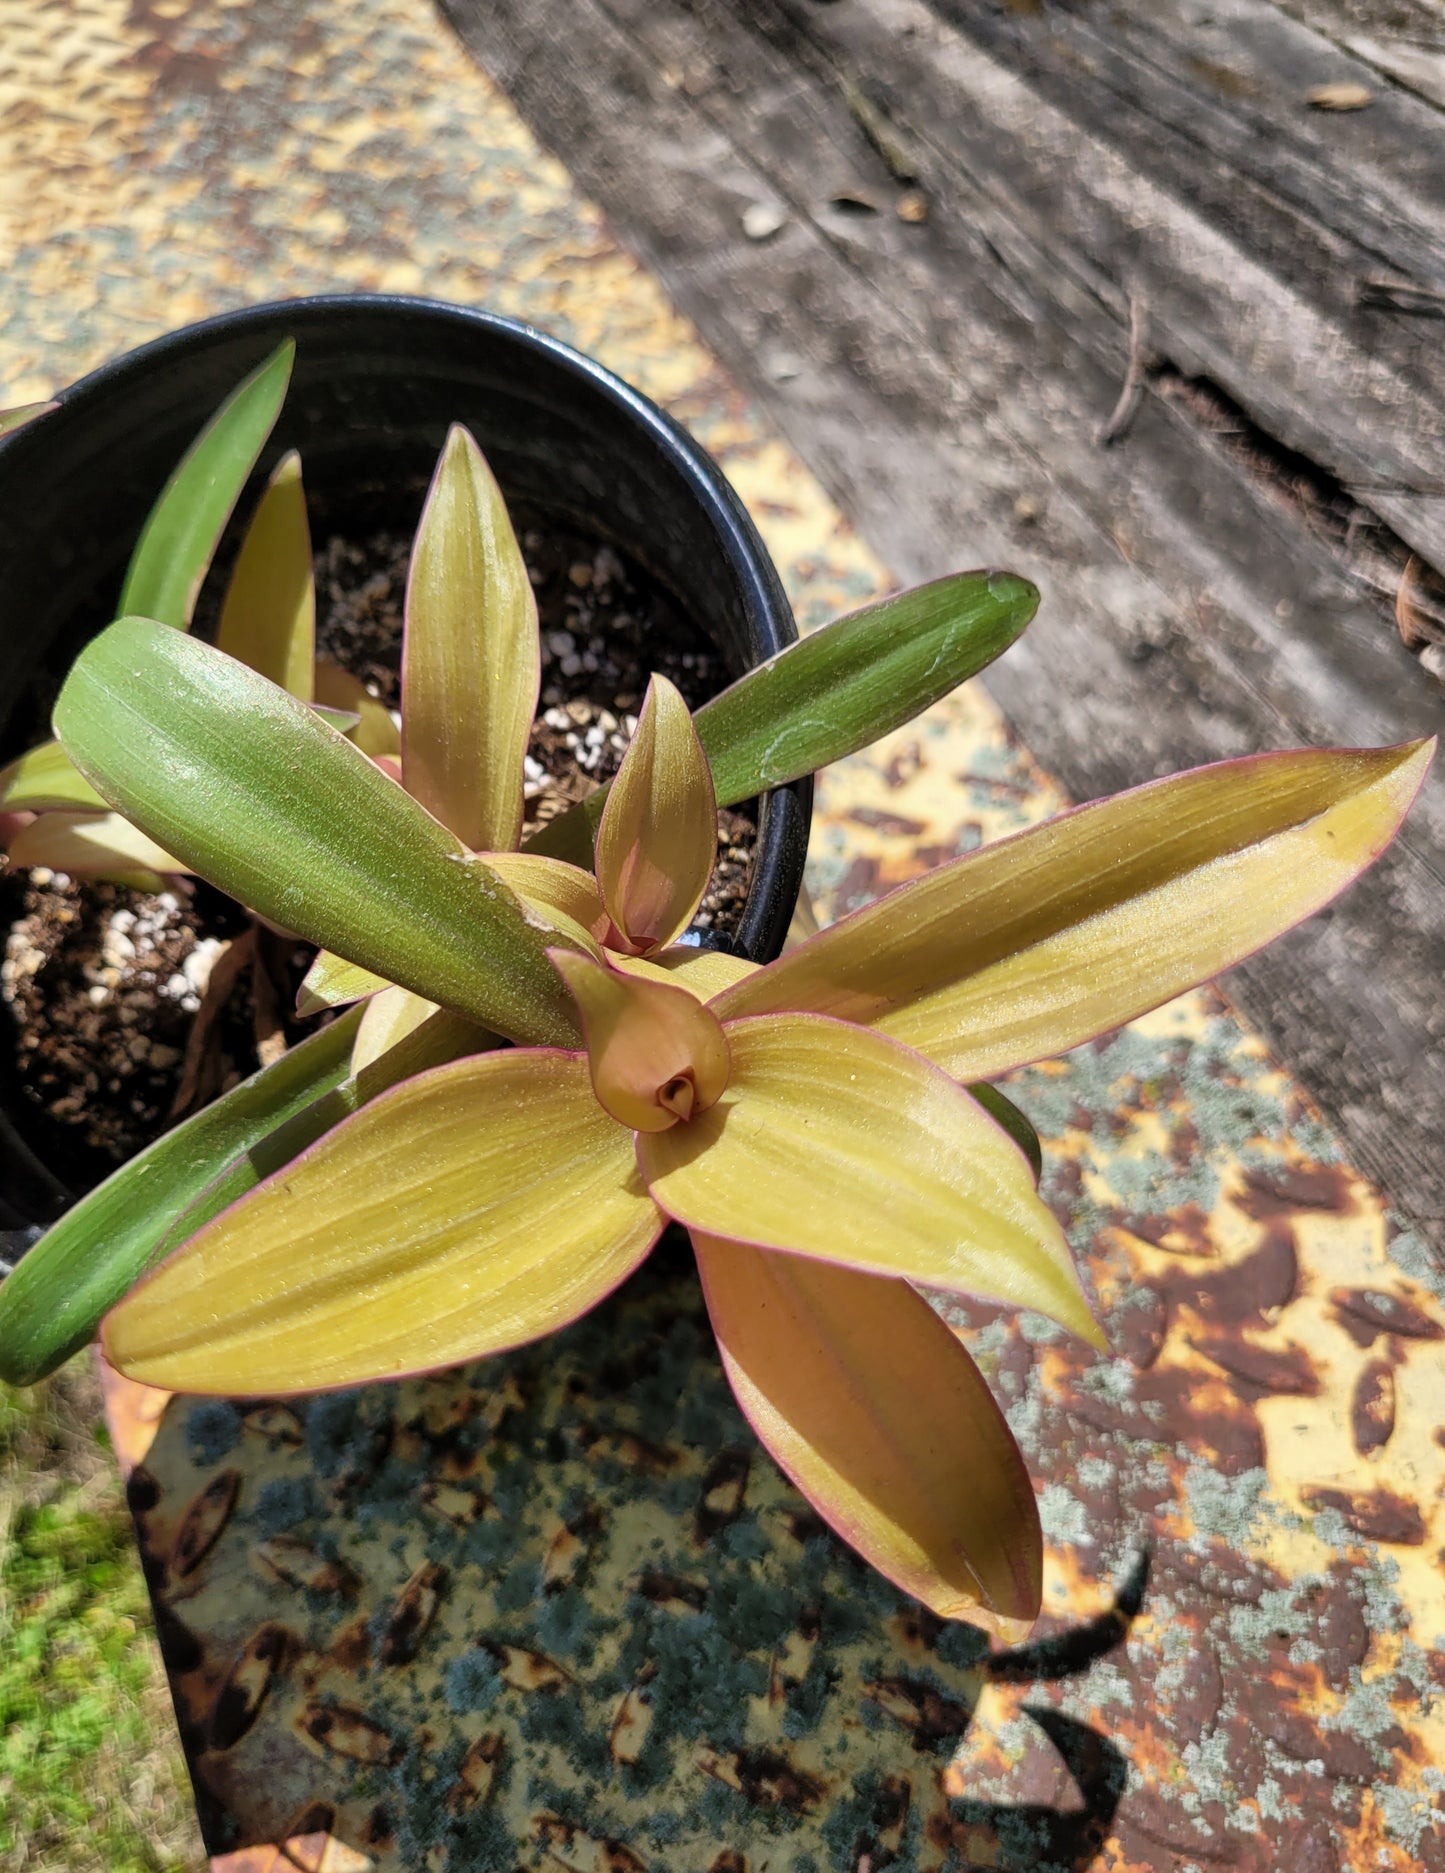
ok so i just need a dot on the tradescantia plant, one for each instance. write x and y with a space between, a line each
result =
471 640
809 1122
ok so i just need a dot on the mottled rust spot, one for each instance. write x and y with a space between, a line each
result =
631 1721
1372 1407
457 1505
524 1670
671 1593
1379 1515
477 1773
897 825
1365 1313
246 1685
766 1778
203 1522
285 1558
278 1424
1299 1736
1184 1231
413 1613
1323 1188
720 1497
317 1817
340 1731
566 1845
1261 1371
633 1453
567 1551
927 1714
1259 1285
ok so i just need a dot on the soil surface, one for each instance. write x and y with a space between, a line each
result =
129 1010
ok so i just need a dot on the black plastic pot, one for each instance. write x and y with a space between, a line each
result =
377 381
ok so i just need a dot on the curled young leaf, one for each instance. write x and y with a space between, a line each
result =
655 1054
332 982
552 885
268 617
19 414
471 659
658 836
389 1016
375 732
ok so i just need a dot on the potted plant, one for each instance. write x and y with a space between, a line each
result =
816 1123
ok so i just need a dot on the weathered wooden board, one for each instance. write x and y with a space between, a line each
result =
949 379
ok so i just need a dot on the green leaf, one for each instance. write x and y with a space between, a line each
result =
21 414
175 547
43 779
837 690
1004 1112
53 1302
252 790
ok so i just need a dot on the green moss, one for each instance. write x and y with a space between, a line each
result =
90 1770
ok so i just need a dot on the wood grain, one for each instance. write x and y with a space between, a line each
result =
948 380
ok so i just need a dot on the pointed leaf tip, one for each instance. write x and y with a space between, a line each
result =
658 835
471 657
655 1054
180 535
874 1409
1034 944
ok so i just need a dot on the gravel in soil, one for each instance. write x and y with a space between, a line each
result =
103 985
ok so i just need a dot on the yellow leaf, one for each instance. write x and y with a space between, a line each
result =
875 1410
658 836
44 778
835 1142
1028 947
552 884
94 845
473 1208
389 1016
471 660
332 982
704 973
268 619
375 733
655 1054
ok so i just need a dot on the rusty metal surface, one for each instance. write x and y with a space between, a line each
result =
560 1612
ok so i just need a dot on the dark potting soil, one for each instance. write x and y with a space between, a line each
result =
129 1010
